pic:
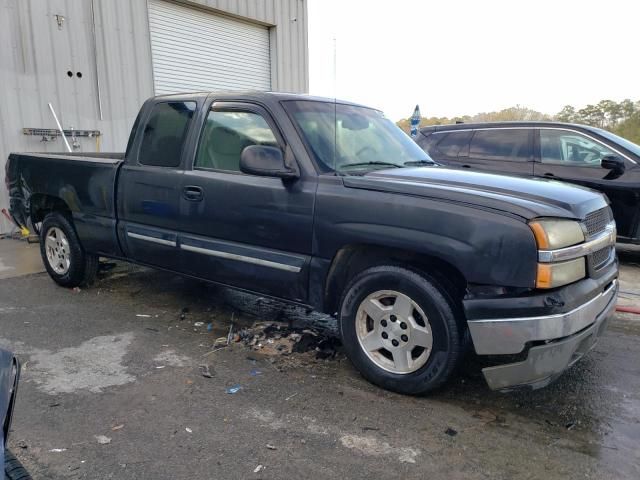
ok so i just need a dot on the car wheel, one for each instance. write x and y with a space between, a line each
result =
399 329
13 469
64 258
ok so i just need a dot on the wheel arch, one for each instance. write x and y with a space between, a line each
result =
40 204
355 258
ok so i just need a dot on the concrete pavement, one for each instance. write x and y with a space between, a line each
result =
116 361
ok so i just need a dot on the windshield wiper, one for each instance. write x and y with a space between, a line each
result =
419 162
365 164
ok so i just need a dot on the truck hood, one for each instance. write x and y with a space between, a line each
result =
527 198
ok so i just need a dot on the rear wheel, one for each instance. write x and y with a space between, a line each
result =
399 329
64 258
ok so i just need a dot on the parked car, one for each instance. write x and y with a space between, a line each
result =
571 153
330 205
9 376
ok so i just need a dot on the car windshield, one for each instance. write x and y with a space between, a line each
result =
623 142
348 139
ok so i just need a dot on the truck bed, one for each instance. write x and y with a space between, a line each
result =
85 181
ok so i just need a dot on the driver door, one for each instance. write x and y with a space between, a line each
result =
570 156
247 231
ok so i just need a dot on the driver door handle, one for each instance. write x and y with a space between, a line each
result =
193 193
549 174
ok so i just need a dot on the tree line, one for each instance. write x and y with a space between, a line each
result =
621 118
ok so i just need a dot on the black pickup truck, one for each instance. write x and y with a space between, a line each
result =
329 205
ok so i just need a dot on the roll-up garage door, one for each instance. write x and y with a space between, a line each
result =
194 50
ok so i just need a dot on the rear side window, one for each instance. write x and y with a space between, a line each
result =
165 133
501 144
453 144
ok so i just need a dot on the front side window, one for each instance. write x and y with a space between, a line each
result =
165 132
571 149
345 138
226 134
501 144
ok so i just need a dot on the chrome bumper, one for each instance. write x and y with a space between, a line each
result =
569 336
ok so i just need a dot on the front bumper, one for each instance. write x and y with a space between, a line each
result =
556 341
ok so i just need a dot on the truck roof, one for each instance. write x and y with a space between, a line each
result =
259 96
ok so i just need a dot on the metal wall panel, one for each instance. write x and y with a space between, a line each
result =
36 54
196 50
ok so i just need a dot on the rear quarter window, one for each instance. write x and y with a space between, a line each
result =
165 133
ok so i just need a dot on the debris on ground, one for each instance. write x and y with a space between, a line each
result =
118 427
102 439
198 324
451 432
258 469
205 372
76 289
230 334
58 450
234 389
283 339
271 447
143 315
183 313
255 373
106 266
188 430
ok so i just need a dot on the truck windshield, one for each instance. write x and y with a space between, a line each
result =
348 139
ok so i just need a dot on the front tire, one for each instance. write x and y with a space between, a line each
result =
399 329
64 258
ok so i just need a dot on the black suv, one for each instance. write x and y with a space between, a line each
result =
573 153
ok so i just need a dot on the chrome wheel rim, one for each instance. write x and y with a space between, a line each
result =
394 332
56 246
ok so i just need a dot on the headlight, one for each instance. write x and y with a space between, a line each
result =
556 233
551 275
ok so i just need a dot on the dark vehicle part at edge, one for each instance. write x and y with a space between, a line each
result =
9 377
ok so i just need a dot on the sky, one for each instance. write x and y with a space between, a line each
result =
456 57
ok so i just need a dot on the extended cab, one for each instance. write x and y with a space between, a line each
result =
329 205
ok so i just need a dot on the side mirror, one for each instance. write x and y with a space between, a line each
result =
613 163
266 161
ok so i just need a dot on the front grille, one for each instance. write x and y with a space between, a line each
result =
595 222
600 258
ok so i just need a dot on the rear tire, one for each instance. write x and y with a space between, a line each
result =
64 258
13 469
399 329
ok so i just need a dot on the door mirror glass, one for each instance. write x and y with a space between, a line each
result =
612 162
265 161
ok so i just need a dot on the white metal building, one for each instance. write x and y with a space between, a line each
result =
96 61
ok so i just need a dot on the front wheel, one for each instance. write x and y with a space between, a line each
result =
64 258
399 329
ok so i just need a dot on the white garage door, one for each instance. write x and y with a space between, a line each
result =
194 50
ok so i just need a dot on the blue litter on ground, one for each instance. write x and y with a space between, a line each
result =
210 327
255 373
234 389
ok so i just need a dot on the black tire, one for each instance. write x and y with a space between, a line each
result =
82 265
13 469
436 303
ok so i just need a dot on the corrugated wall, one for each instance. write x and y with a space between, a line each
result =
37 55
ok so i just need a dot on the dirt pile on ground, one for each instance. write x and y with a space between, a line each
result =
282 339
